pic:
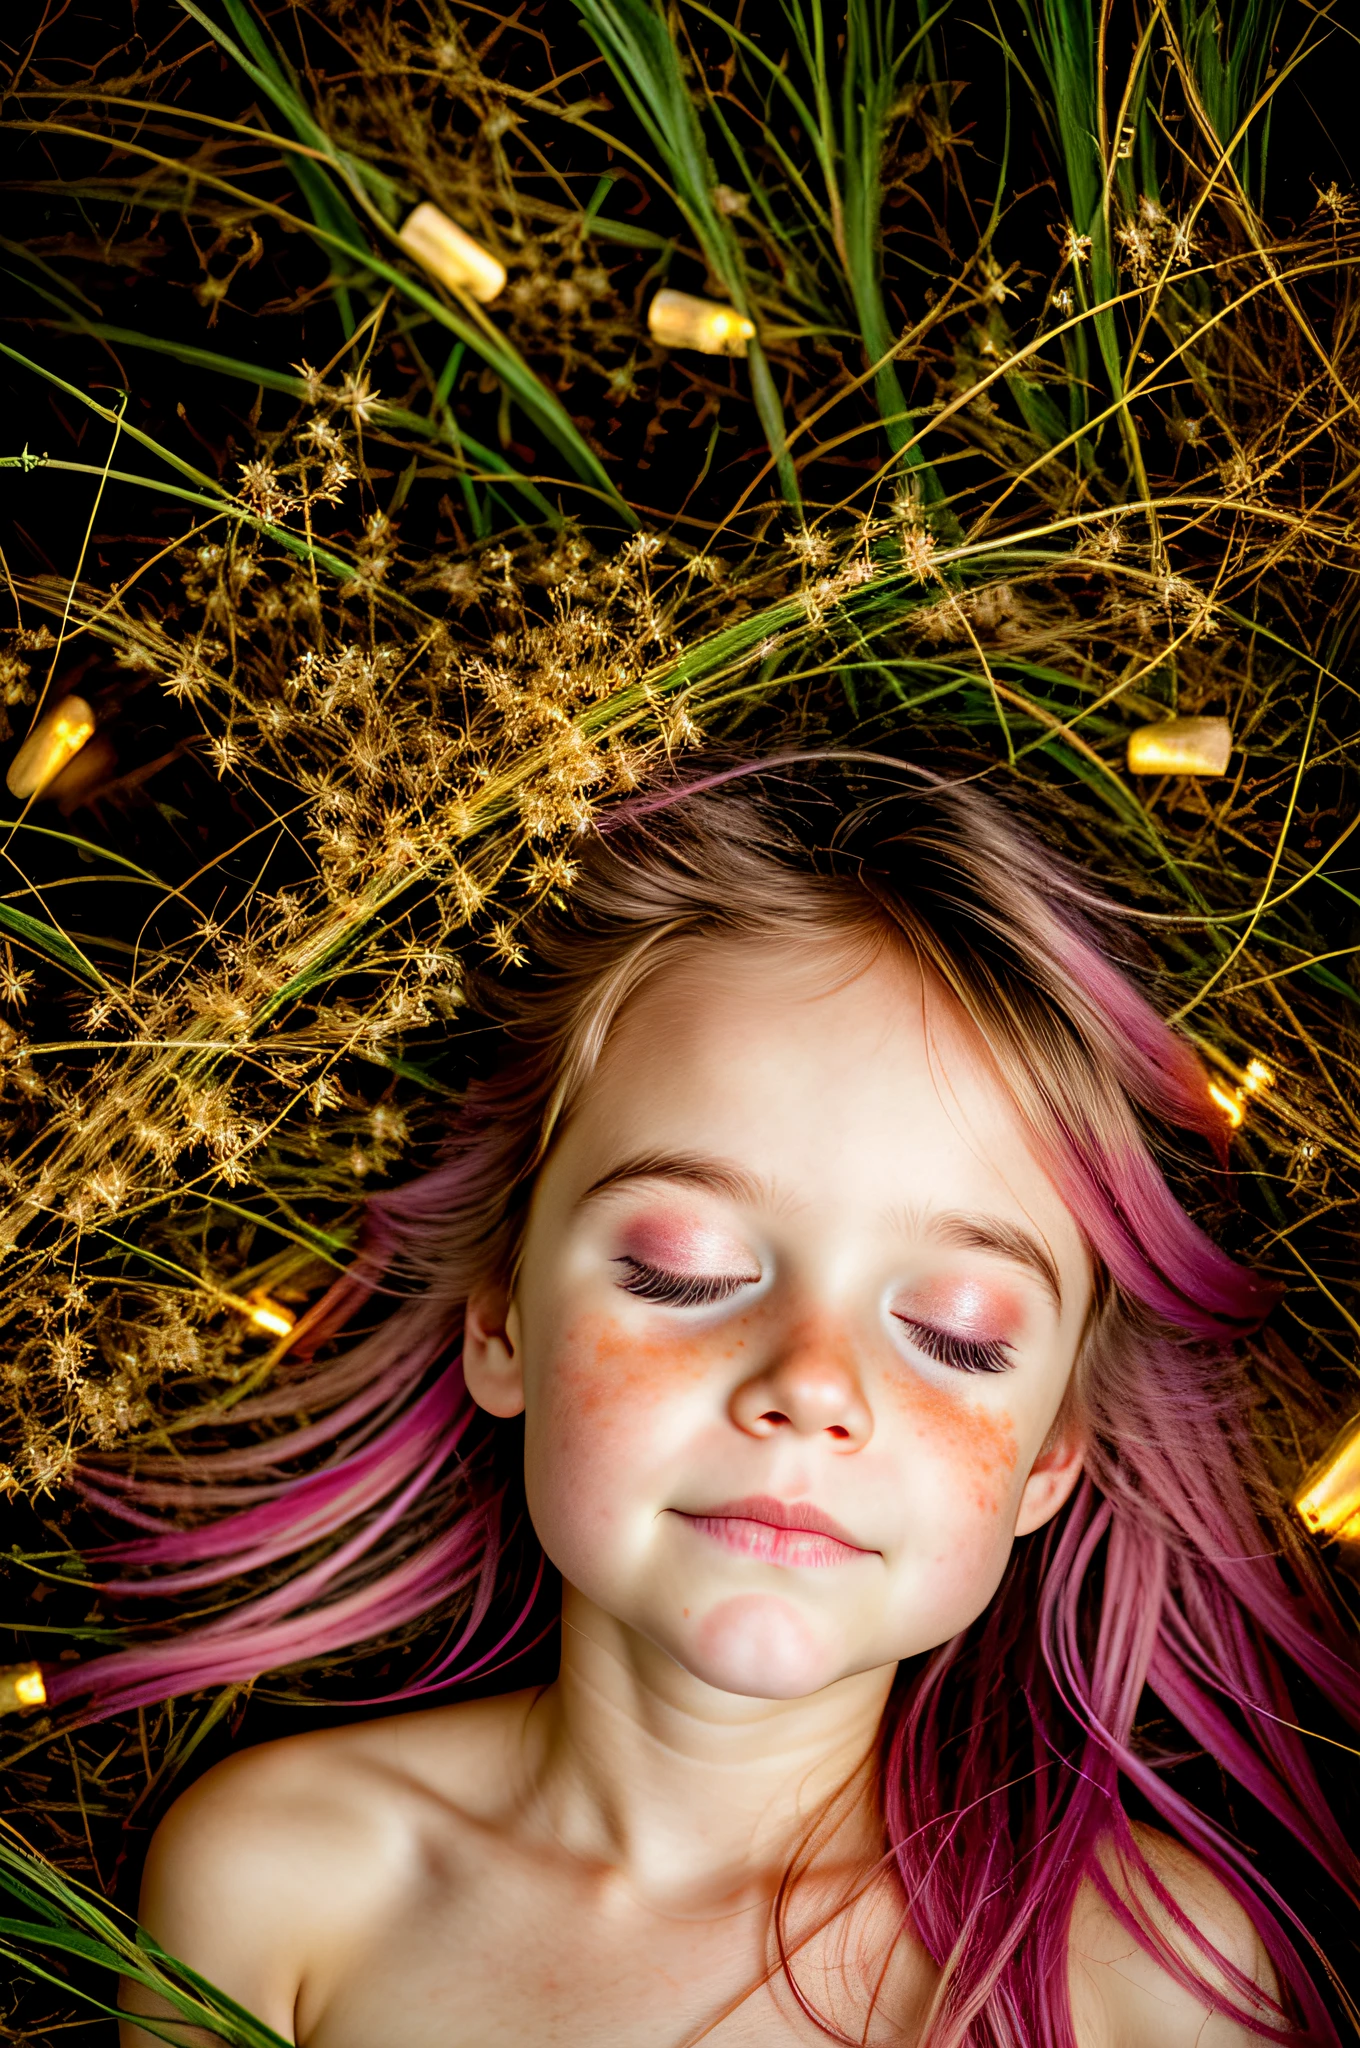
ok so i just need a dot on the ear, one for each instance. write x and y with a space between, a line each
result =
1053 1474
492 1353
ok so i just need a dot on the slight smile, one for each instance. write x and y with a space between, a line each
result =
777 1532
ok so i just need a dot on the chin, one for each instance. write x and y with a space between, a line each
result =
759 1646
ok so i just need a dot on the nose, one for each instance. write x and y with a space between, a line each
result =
810 1385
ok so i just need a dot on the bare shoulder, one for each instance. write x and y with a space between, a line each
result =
1124 1997
278 1812
289 1854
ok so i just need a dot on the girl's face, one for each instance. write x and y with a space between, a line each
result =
795 1317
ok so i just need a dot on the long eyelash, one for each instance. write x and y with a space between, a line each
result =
963 1354
677 1290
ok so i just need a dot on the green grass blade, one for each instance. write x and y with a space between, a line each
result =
265 68
1228 45
539 404
66 1919
398 416
869 81
640 50
46 940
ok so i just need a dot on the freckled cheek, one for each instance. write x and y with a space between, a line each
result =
972 1449
601 1372
607 1409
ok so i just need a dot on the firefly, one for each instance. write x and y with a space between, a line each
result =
267 1315
1181 746
1229 1100
451 255
56 739
1328 1500
1256 1077
21 1685
679 320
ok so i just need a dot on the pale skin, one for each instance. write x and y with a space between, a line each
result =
790 1254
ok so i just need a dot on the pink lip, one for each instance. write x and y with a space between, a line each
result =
778 1532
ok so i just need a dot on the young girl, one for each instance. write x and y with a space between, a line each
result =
809 1268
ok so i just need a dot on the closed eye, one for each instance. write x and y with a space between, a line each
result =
963 1354
679 1290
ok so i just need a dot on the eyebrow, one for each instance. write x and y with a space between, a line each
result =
956 1227
1007 1240
720 1176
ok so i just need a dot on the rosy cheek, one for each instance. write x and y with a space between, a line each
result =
608 1374
977 1446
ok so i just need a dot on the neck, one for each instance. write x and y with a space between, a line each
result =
638 1766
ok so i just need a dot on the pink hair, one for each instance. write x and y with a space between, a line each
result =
1160 1581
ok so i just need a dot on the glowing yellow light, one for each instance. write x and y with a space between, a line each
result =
21 1685
1257 1077
1328 1501
267 1315
451 255
56 739
678 320
1229 1101
1181 746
